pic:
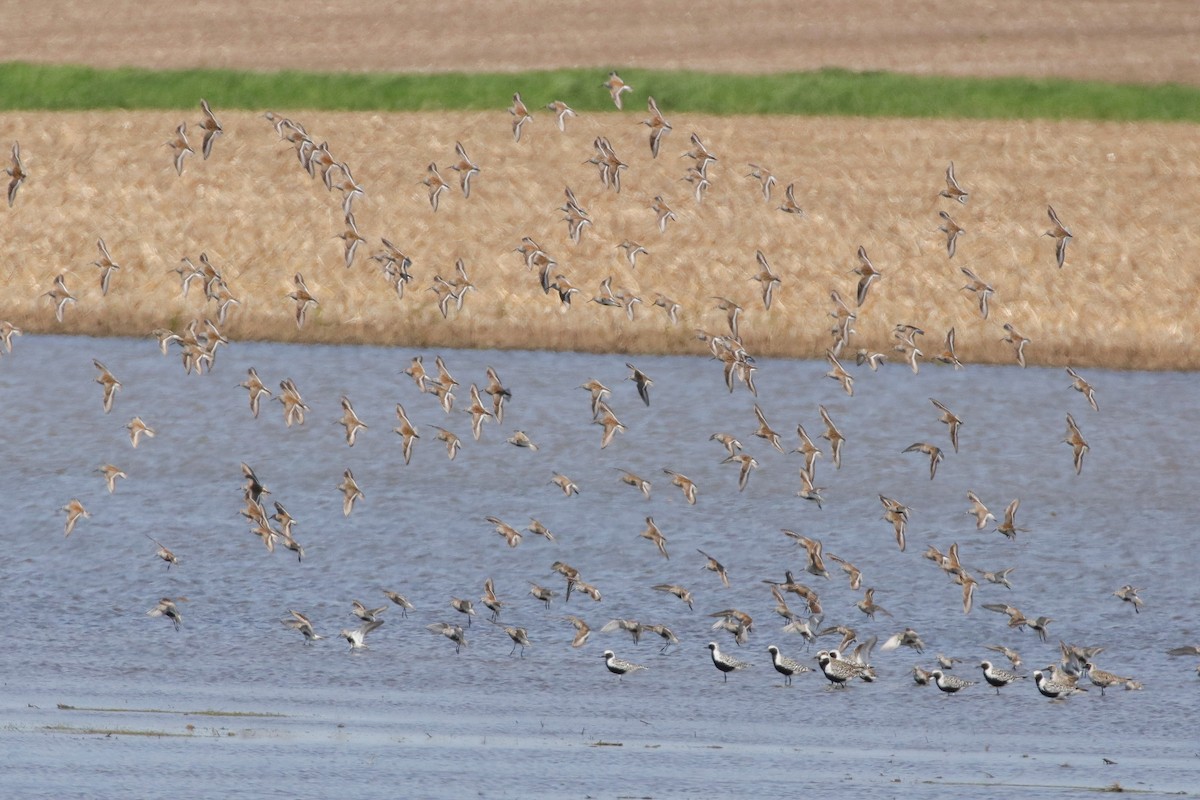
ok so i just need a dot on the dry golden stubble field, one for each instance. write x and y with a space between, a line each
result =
1140 41
1123 299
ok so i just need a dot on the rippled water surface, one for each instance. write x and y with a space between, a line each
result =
409 717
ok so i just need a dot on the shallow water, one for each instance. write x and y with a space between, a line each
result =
410 713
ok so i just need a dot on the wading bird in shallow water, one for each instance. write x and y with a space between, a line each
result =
998 678
785 666
725 662
619 666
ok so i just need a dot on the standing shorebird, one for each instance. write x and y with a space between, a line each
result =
1052 688
999 678
787 667
619 666
950 683
725 662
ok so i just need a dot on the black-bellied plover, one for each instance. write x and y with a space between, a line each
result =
950 683
837 670
785 666
725 662
1052 688
998 677
619 666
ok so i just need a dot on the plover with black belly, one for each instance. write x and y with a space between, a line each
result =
785 666
619 666
998 677
724 662
950 683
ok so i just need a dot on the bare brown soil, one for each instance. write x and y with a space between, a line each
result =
1124 298
1114 40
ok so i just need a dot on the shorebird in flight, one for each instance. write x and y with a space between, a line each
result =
765 179
1061 235
357 637
166 608
16 173
351 492
465 167
952 230
257 389
659 127
75 511
179 143
868 275
350 421
212 129
953 422
1079 445
953 191
109 382
561 112
1085 388
520 116
106 265
983 290
616 87
137 429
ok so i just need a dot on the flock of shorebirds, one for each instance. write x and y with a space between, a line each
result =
847 663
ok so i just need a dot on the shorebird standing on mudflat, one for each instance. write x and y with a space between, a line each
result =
619 666
725 662
998 678
785 666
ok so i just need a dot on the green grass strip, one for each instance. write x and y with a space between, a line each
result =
834 92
